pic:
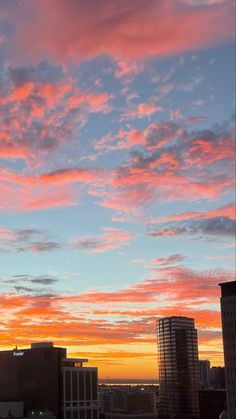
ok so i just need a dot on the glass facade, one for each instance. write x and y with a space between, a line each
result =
178 367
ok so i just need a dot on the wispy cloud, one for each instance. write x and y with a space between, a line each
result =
112 238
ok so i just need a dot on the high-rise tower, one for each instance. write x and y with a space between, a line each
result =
228 314
178 367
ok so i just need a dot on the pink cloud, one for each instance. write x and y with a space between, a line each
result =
110 240
96 102
166 232
128 69
52 199
136 137
181 284
37 117
177 114
169 260
225 211
143 110
196 119
124 140
127 201
147 109
25 193
64 29
164 167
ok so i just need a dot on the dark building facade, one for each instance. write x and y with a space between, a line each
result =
228 315
217 377
204 373
178 367
212 403
36 376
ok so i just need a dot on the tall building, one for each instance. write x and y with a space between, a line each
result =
204 371
178 367
228 315
44 379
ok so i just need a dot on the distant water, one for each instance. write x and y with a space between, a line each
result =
124 382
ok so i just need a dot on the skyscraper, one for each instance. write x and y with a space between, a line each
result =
228 315
178 367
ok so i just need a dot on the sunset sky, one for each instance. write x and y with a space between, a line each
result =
117 131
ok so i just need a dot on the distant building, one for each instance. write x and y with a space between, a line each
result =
121 415
178 367
204 374
11 409
212 403
44 379
217 377
127 400
228 314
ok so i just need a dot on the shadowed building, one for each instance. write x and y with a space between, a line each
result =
228 314
178 367
43 378
217 377
204 372
212 403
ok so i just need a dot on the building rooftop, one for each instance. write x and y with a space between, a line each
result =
71 362
228 289
38 345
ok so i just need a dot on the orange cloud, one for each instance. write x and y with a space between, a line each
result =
120 322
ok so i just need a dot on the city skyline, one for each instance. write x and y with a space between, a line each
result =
116 175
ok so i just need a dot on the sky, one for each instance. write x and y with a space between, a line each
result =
117 127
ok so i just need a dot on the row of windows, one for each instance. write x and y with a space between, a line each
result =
80 414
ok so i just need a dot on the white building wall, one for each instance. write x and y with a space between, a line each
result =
80 396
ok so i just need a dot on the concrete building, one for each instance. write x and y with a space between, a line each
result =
79 398
178 367
228 315
44 379
204 374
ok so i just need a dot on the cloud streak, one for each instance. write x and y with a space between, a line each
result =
111 239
